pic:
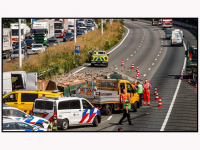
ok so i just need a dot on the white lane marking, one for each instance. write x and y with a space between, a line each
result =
108 52
153 64
144 75
160 51
149 69
158 55
127 58
139 46
173 99
132 55
156 59
162 41
141 41
116 68
109 118
135 52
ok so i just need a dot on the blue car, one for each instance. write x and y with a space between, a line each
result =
69 36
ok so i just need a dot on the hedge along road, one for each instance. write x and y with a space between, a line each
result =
144 57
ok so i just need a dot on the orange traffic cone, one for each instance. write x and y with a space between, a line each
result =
132 65
183 71
157 98
137 69
181 76
137 76
122 63
160 103
189 81
196 86
138 72
155 90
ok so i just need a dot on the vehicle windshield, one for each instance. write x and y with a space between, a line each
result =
29 41
70 25
80 30
17 43
34 46
45 105
17 52
39 31
15 32
51 41
81 19
58 25
68 34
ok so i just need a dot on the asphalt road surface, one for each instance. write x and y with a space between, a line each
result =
160 63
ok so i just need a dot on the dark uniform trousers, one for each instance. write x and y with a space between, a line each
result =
125 114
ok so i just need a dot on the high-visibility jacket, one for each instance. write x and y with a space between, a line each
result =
147 87
140 89
53 128
127 103
124 97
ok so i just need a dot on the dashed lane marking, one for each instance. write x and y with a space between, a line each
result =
127 58
135 52
109 118
144 75
158 55
149 69
156 59
132 55
153 64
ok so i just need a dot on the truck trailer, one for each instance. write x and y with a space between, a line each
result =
7 43
156 21
42 30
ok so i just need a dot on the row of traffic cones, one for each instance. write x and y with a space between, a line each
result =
189 82
158 98
133 67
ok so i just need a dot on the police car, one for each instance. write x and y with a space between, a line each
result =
15 125
68 110
16 114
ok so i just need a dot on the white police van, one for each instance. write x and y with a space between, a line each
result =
177 37
68 110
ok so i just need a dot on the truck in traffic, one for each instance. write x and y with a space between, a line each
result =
25 32
106 94
177 37
60 27
192 61
156 21
42 30
166 23
7 43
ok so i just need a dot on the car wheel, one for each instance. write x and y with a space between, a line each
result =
95 122
92 65
40 125
65 124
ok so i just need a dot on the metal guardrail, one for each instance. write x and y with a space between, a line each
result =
184 25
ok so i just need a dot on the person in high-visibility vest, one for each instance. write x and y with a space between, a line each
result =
124 97
146 92
53 125
139 89
126 109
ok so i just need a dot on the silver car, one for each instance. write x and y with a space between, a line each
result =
15 54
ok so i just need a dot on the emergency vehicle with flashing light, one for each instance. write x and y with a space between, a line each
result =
69 111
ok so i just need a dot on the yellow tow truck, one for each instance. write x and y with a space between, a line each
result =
99 57
106 94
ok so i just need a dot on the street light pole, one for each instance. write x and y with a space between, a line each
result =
19 49
101 26
110 21
74 30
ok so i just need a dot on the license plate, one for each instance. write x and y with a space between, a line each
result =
36 51
68 39
39 115
16 58
174 42
28 46
98 62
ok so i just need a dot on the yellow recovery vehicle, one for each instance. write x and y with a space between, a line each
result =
99 57
106 94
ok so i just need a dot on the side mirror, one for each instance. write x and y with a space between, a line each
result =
108 54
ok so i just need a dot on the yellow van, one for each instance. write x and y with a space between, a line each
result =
24 99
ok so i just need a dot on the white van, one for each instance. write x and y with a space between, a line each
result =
177 37
68 110
15 80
